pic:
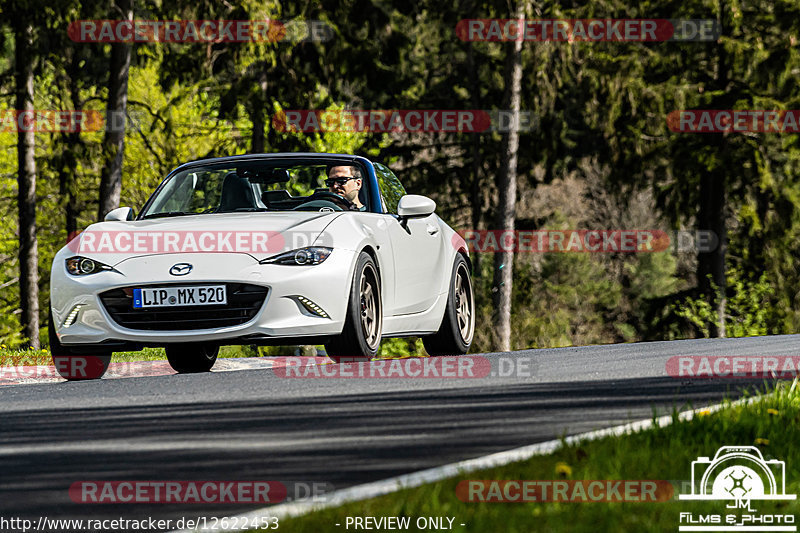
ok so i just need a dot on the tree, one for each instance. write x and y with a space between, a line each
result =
116 110
507 189
26 165
78 73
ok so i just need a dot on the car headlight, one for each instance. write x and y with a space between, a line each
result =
82 266
311 255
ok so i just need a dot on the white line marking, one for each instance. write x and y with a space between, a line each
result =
431 475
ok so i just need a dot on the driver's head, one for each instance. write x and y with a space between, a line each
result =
345 181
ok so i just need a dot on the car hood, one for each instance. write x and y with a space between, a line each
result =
259 235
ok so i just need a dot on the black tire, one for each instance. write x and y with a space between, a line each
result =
192 357
458 323
361 335
70 363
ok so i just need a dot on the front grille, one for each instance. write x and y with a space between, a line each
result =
244 301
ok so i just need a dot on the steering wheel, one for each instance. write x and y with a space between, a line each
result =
318 205
341 201
325 197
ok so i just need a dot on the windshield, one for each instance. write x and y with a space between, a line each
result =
261 186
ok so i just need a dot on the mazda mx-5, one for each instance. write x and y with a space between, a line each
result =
262 249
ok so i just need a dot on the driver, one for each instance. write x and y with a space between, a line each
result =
346 181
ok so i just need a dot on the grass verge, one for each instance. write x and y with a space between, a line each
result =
771 423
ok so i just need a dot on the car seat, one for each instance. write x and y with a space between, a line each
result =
236 194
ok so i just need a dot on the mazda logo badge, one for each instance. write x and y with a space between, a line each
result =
181 269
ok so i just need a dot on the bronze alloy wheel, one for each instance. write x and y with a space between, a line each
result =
455 333
465 303
363 326
370 306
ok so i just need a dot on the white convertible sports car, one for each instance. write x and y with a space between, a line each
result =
262 249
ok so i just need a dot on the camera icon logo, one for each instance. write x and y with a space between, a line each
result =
738 473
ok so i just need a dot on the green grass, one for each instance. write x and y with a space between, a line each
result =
771 422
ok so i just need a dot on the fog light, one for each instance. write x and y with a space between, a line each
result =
72 316
311 307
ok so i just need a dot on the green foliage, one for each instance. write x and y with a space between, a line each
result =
401 347
569 302
748 311
697 311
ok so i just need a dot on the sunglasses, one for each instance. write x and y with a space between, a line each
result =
339 181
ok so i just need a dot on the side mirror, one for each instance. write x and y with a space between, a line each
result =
414 205
120 214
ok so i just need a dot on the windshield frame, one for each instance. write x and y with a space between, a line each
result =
368 172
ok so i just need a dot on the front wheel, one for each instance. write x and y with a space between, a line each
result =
192 357
361 336
69 363
458 324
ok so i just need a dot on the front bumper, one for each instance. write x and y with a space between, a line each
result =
280 316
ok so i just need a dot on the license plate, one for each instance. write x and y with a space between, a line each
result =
179 296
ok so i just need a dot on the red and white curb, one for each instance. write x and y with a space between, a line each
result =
26 375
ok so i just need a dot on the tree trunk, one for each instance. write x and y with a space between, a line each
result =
26 178
73 147
257 115
711 265
507 188
116 109
257 146
476 192
711 211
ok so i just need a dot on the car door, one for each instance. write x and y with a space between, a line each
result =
417 250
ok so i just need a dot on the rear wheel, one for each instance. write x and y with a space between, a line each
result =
458 324
361 336
192 357
70 363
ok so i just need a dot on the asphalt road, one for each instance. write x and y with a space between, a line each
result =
256 425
